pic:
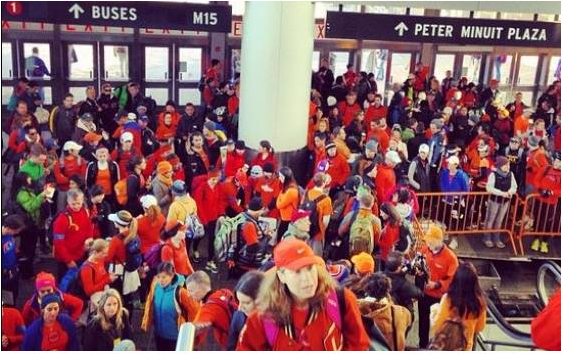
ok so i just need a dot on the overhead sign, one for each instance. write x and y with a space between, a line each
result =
442 30
180 16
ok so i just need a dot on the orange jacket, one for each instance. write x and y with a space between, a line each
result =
535 165
324 208
71 166
385 180
348 112
164 132
339 170
320 333
549 179
94 277
287 202
374 113
472 324
441 268
546 327
177 256
149 231
268 197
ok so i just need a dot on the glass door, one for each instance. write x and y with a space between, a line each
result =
189 70
9 71
471 66
399 70
443 63
36 64
375 61
157 73
338 62
81 71
527 78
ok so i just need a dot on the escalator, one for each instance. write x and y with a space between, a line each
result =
510 315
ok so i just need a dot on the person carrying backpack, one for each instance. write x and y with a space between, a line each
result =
361 227
174 248
168 306
94 277
319 204
301 308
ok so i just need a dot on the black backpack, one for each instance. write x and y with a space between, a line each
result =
51 220
201 84
74 286
133 255
311 205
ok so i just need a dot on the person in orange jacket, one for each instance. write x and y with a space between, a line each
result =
338 169
235 194
167 129
268 188
288 199
349 108
537 161
174 249
375 111
546 327
442 264
208 194
235 159
300 278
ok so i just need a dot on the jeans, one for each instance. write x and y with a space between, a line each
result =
496 211
424 319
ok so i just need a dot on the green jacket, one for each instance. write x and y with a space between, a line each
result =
34 170
31 203
407 135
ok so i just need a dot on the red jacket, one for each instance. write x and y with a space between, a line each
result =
320 154
94 277
384 180
69 235
228 193
268 197
549 179
389 236
232 105
348 112
233 163
339 170
382 138
209 200
321 333
149 231
116 251
122 159
164 132
535 165
546 327
441 268
214 311
71 166
71 304
420 80
375 113
13 328
258 160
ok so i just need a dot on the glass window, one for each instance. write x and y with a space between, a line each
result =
48 92
235 62
190 64
351 8
338 62
400 67
416 11
501 68
190 95
454 13
156 63
237 7
528 69
375 61
554 69
116 62
6 94
443 63
527 97
160 95
315 63
322 7
81 61
379 9
37 60
546 17
471 66
7 62
79 93
485 14
516 16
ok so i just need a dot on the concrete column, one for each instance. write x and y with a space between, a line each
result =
277 48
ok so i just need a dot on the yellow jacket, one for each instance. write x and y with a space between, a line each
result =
181 208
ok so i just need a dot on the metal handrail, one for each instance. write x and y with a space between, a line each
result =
553 268
186 337
507 328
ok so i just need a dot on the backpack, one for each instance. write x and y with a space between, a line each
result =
153 255
51 220
311 205
450 336
339 205
195 227
226 235
361 235
120 189
249 256
71 282
406 237
201 84
335 307
225 299
133 256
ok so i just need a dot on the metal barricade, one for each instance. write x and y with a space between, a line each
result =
541 217
466 213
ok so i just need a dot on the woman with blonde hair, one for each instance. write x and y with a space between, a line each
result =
110 326
93 274
299 307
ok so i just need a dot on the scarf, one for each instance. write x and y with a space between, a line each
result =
167 181
86 126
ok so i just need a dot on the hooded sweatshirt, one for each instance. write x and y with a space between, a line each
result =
393 320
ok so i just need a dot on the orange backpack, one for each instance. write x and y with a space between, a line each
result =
120 189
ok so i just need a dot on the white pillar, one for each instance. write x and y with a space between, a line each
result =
277 47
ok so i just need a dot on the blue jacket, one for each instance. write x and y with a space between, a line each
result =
459 183
34 334
436 145
9 258
165 307
237 323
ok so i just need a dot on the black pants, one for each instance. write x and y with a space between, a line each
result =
28 244
282 229
210 234
424 319
10 282
163 344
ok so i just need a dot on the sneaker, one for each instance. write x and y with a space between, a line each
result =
196 257
500 244
489 243
535 245
453 244
212 267
544 247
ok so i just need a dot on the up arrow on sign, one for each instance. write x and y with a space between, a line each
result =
76 10
401 28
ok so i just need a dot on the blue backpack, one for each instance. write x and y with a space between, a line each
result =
133 255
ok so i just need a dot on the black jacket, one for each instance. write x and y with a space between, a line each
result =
92 173
149 143
403 291
64 123
189 125
96 339
110 105
90 106
193 167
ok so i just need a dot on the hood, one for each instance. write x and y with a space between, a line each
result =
371 308
177 281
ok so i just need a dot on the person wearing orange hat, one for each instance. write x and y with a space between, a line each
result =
90 142
442 264
174 249
503 128
161 185
363 263
302 295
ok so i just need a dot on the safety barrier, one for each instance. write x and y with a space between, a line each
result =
541 217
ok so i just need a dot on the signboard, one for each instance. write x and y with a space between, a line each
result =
180 16
459 31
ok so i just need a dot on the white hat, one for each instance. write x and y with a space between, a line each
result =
71 145
447 110
126 136
393 156
131 116
424 148
454 160
148 200
331 101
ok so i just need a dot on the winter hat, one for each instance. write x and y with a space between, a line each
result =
533 142
126 137
255 204
364 263
164 167
323 166
330 146
44 280
256 171
240 145
131 116
141 108
338 272
230 142
393 156
503 112
88 117
143 117
454 160
500 161
452 149
269 167
424 148
372 145
299 214
331 101
49 299
148 200
209 125
178 187
71 145
51 144
434 233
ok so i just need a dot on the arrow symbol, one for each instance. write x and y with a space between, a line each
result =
401 28
76 10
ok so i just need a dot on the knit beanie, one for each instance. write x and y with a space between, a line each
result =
49 299
164 167
44 280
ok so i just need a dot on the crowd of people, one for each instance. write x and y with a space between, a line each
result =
125 198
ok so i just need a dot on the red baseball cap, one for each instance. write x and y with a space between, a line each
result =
294 254
299 214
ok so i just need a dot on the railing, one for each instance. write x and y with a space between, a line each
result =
467 213
186 337
549 267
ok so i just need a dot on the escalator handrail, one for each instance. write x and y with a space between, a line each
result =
186 337
554 269
506 327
